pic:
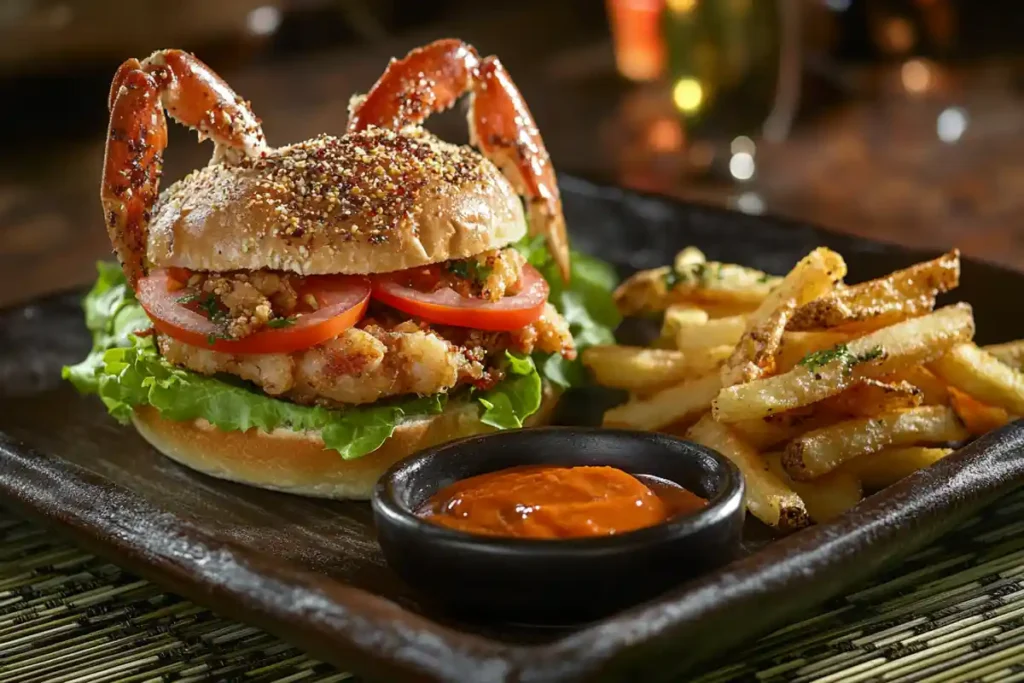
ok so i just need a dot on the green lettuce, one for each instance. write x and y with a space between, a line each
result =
126 370
514 399
585 303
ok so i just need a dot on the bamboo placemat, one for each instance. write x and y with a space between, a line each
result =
953 612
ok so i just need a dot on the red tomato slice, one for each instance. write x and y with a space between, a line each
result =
342 303
447 307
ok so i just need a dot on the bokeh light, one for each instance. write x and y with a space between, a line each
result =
741 166
688 94
951 124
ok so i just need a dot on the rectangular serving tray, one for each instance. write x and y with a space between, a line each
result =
311 571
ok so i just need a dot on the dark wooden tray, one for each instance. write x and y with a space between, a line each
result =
311 571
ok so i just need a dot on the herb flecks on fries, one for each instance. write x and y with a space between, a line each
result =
817 389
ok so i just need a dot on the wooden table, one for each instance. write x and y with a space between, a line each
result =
873 166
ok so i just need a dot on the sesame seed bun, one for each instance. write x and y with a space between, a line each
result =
368 202
297 462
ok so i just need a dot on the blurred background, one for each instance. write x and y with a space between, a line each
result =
895 119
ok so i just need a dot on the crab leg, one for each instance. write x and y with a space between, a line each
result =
501 126
136 140
428 80
194 96
431 79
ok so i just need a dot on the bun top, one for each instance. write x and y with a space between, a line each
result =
368 202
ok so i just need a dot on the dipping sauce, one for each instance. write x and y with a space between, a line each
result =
539 501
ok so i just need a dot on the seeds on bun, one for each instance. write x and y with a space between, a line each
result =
369 202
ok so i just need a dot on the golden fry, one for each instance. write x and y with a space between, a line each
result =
678 316
826 497
725 309
978 417
825 374
983 376
640 369
868 397
1010 353
934 392
897 296
767 497
667 406
814 276
823 450
887 466
688 257
654 290
775 430
711 333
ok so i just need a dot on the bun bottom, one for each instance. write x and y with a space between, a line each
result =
297 462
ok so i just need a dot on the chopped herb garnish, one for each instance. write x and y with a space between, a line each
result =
459 269
764 279
483 272
697 274
211 308
869 355
818 359
672 279
211 339
841 353
470 269
282 322
188 298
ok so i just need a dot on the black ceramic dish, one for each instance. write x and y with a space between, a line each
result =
312 572
538 581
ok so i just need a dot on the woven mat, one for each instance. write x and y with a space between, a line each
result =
953 612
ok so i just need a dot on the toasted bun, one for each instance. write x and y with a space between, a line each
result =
368 202
297 462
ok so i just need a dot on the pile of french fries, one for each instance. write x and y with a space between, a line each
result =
819 391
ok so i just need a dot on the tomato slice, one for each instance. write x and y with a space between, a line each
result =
445 306
342 302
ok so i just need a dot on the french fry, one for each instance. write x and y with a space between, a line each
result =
814 276
678 316
978 417
826 497
863 399
869 397
983 376
897 296
767 497
688 257
823 450
711 333
644 370
934 392
887 466
825 374
797 345
654 290
667 406
1010 353
774 430
724 309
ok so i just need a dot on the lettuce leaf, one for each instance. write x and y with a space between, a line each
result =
126 370
507 405
585 303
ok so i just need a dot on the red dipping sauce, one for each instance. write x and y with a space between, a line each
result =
544 502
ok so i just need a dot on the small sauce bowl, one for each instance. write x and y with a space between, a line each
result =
565 580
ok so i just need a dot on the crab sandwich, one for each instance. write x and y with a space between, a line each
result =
299 318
